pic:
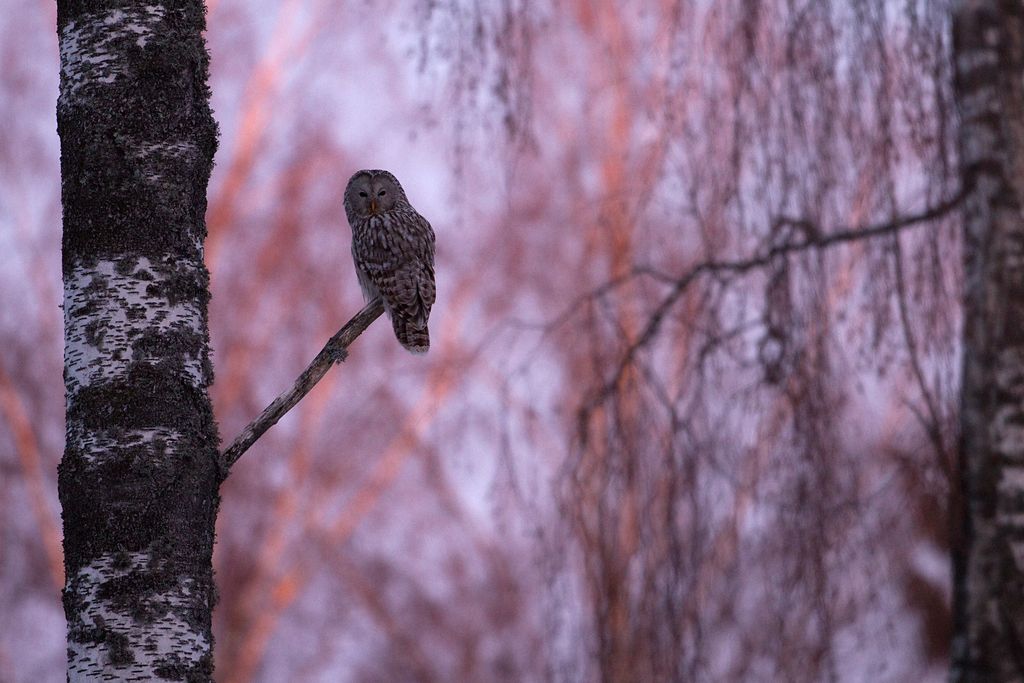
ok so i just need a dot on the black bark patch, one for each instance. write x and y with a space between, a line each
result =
159 100
152 395
173 669
119 649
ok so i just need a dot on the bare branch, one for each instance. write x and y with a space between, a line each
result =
814 239
933 424
334 351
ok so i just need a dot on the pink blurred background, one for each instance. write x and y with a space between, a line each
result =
755 492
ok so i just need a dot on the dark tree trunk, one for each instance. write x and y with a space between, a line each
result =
139 478
988 44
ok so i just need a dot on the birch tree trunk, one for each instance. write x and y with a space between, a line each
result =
139 479
988 576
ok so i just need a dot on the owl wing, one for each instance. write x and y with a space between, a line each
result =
415 290
399 262
425 287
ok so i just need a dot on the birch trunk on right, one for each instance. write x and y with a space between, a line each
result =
988 37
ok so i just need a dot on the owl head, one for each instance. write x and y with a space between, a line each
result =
372 192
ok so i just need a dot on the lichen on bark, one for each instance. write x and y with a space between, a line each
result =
139 478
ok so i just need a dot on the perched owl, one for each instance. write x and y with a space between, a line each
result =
393 248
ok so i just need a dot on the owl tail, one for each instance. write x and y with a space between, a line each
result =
412 335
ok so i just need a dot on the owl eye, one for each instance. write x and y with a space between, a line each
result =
362 194
381 193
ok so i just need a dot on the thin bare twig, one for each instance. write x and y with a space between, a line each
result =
932 424
334 351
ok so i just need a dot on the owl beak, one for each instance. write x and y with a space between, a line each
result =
373 206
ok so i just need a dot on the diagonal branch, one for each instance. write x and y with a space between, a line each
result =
334 351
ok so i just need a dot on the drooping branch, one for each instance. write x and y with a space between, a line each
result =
813 238
334 351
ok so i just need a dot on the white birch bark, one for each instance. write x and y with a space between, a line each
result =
139 477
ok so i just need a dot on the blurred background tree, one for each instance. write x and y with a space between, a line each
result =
605 469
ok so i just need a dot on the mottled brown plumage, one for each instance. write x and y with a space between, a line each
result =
393 250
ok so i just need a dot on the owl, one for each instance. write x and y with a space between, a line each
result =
393 249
